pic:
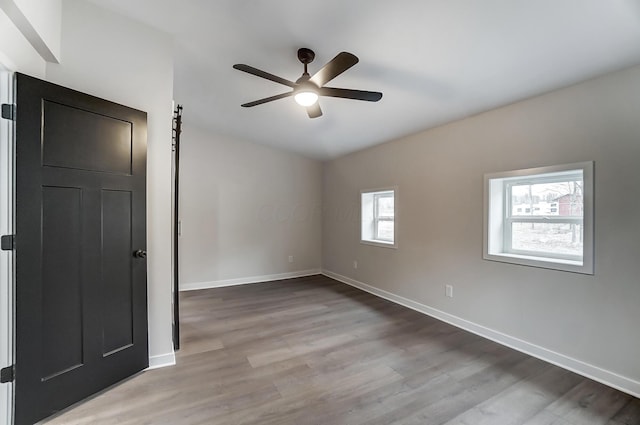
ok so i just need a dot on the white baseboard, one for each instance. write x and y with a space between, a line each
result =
162 360
246 280
596 373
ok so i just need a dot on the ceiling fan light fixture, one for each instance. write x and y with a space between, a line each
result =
306 97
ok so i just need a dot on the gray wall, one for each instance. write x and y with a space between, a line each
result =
590 319
244 209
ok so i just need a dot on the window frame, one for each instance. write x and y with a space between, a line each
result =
509 218
499 217
375 217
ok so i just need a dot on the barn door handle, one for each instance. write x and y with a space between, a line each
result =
140 254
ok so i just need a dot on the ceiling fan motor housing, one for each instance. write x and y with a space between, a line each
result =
306 56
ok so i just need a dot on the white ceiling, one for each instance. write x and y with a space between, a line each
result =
435 60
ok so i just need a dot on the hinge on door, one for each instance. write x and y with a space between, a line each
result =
9 111
8 242
7 374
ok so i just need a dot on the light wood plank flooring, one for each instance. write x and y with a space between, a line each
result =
315 351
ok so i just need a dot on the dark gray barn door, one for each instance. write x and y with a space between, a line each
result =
81 291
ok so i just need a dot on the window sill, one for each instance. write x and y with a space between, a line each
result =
542 262
379 243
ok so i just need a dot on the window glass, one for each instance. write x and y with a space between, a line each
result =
547 238
385 206
542 198
385 230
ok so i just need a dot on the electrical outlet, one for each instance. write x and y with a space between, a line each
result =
449 290
291 258
355 264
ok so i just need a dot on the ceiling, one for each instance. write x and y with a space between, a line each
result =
436 61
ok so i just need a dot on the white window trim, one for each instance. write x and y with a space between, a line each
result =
379 242
494 218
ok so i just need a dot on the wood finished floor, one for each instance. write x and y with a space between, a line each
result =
315 351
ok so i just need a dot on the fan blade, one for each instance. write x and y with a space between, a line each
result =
314 110
370 96
259 73
333 68
267 99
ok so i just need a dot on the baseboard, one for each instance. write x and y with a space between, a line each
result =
162 360
590 371
247 280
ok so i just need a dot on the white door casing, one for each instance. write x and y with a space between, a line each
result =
6 257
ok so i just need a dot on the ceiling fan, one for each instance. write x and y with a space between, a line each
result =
307 88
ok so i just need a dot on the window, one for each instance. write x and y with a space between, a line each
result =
541 217
378 217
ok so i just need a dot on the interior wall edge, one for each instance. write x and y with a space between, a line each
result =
193 286
28 27
587 370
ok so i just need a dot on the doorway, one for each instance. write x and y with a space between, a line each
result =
80 250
